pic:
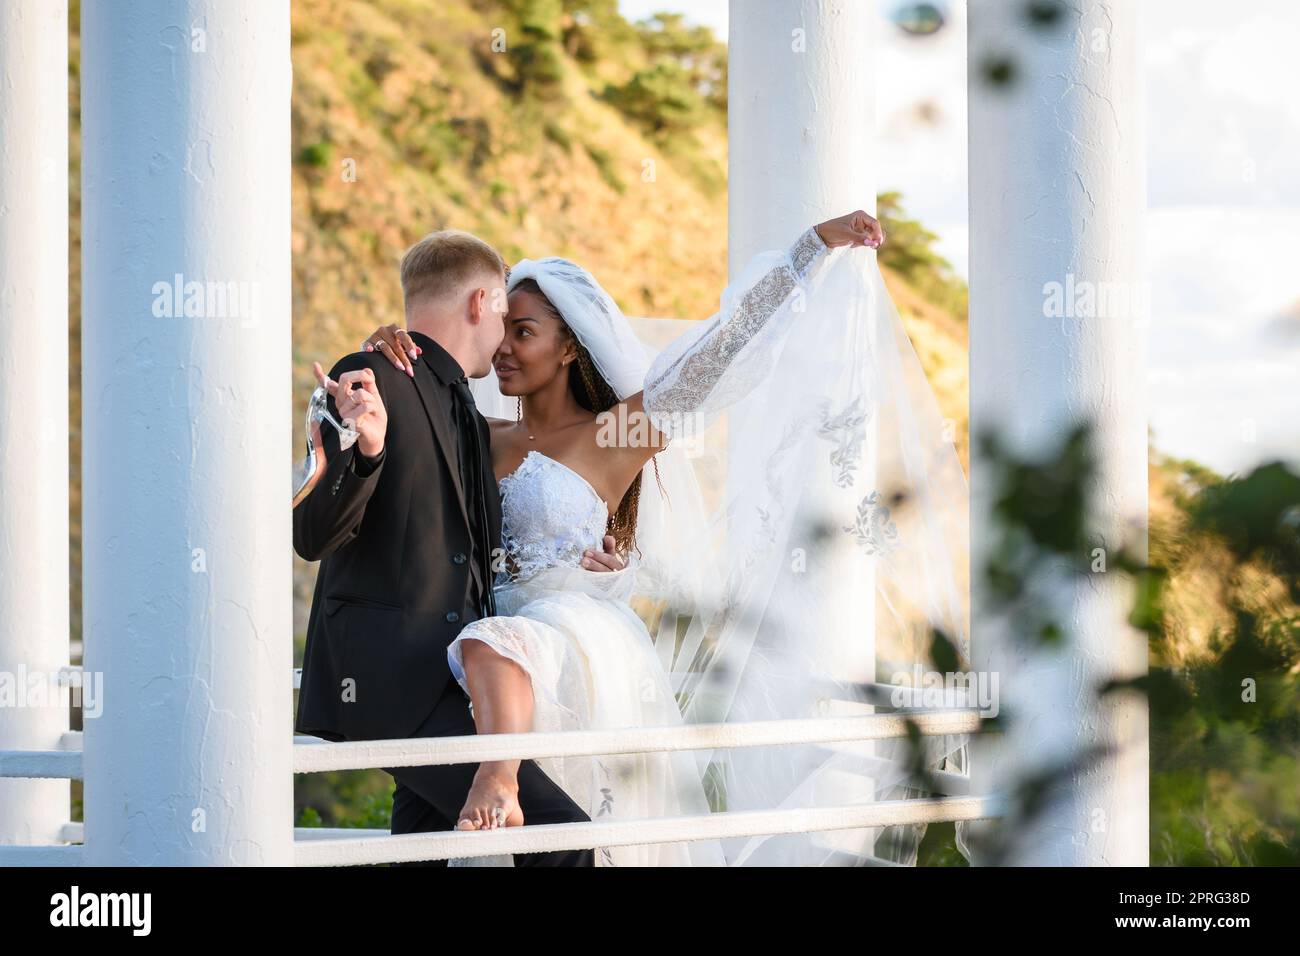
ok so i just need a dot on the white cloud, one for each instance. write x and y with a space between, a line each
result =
1223 115
1224 260
710 13
1255 61
1220 383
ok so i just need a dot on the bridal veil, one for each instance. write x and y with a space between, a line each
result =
809 553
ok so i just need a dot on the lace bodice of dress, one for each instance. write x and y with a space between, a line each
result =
549 515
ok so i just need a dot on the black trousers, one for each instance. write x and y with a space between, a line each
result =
428 799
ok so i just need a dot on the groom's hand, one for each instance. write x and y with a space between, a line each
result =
356 396
607 560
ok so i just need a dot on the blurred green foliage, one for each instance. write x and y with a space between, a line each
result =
317 154
1225 725
1224 718
346 798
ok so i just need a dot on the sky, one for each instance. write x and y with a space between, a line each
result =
1223 205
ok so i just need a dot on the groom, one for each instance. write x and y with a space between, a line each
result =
405 524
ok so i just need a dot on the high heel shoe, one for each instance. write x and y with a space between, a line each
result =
317 412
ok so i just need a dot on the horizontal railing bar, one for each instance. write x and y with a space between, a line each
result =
953 784
74 831
949 784
477 748
337 833
70 741
414 847
41 855
882 695
41 764
836 857
844 858
871 692
72 834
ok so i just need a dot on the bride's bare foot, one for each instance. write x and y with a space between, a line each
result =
493 801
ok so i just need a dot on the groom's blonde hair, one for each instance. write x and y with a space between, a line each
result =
446 261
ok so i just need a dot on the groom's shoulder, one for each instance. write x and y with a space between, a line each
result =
375 361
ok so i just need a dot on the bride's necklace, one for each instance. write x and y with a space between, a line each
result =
519 418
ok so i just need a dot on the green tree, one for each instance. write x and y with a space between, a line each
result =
909 251
536 53
661 99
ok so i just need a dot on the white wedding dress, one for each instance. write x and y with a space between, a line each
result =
590 658
825 405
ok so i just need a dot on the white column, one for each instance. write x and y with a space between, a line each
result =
186 430
800 118
801 126
33 402
1057 196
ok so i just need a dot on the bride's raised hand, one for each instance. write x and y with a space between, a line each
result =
856 229
396 344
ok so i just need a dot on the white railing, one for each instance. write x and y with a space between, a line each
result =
346 846
61 764
410 847
312 757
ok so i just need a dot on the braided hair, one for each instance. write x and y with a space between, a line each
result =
595 394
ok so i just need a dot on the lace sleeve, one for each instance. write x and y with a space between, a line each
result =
710 367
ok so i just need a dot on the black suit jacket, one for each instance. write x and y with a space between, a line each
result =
394 585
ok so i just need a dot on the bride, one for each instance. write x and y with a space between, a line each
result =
596 415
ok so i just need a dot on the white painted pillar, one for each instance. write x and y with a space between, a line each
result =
800 118
186 431
33 403
801 124
1057 195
